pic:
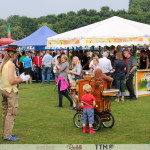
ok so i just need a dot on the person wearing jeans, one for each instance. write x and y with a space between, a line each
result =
88 103
46 74
129 84
131 67
62 80
46 67
62 93
37 62
119 75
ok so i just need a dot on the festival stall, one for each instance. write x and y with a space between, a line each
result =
37 40
113 31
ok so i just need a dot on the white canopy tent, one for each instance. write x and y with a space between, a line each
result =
113 31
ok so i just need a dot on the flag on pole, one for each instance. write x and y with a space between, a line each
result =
9 31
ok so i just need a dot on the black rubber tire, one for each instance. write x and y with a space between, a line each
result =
97 122
109 120
77 119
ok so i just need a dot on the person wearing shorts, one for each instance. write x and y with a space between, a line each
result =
27 63
88 103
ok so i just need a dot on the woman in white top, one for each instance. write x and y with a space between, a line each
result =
95 64
92 66
76 67
73 75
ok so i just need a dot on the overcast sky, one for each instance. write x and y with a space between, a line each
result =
37 8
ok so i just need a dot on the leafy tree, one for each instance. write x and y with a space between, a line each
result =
41 19
2 22
28 25
52 19
45 23
120 12
92 12
144 5
147 16
3 31
82 12
17 33
105 8
14 20
61 16
105 12
23 26
71 13
94 19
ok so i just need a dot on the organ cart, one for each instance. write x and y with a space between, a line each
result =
102 93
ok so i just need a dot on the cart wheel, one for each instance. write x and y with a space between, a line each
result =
77 119
97 122
107 120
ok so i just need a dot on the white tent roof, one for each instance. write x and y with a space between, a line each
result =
123 31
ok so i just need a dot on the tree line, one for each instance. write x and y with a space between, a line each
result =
22 26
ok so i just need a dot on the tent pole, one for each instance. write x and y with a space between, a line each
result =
135 55
93 49
68 54
73 52
99 50
134 51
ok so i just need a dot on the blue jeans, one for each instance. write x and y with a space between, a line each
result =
46 74
37 73
88 116
119 84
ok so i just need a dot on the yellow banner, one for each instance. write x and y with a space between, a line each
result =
120 40
63 42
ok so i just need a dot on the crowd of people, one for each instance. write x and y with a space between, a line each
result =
119 68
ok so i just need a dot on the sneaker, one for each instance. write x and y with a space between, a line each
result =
73 108
11 139
13 135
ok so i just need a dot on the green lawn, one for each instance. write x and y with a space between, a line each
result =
40 122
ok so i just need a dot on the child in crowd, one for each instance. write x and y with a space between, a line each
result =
88 103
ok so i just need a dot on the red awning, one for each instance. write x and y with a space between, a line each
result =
6 41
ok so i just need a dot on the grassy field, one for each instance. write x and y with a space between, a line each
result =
40 122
